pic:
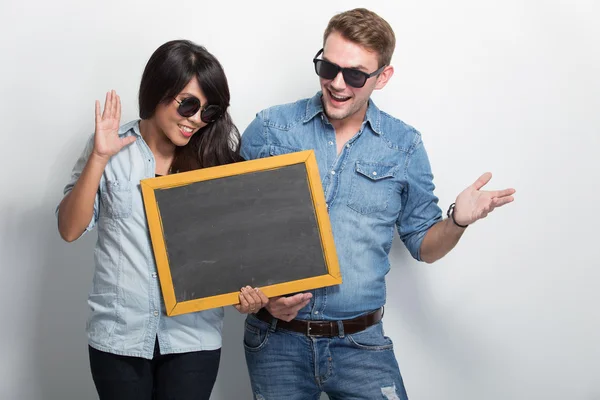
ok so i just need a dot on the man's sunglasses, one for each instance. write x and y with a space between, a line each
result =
189 106
352 76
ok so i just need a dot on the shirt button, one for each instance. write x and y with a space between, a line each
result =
154 274
316 312
374 173
330 143
348 145
156 313
332 172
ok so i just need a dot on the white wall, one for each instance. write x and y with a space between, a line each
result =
508 86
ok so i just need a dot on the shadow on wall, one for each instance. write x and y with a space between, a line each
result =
52 331
418 310
233 381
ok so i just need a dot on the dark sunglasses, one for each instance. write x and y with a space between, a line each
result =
189 106
352 76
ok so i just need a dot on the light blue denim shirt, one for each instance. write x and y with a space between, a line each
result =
127 312
381 181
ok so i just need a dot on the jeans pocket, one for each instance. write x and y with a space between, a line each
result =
371 338
116 199
256 334
371 186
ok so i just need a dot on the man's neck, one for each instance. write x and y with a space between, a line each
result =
351 123
346 128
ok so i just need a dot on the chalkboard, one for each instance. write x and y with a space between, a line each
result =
261 223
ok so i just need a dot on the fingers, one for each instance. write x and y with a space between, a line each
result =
117 113
251 300
255 300
97 111
499 202
286 308
493 204
264 300
243 302
115 104
112 107
295 300
244 306
299 307
107 105
482 180
503 193
127 140
288 314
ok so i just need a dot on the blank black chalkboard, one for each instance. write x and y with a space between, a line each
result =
257 225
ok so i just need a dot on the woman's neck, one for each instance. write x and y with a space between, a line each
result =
162 148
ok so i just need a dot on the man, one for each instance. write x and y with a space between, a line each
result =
376 176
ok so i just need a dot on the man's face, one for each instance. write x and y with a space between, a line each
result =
341 100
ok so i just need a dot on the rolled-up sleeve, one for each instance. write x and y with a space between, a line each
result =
75 174
420 210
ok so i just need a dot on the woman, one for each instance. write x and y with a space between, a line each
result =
136 351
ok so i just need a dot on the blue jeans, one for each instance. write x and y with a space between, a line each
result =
292 366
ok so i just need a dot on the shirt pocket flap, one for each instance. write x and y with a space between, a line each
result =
376 171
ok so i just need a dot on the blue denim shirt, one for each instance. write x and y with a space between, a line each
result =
381 181
127 312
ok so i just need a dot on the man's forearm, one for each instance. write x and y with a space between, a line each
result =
439 240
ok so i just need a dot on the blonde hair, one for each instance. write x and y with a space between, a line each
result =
367 29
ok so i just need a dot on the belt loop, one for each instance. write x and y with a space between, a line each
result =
340 325
273 324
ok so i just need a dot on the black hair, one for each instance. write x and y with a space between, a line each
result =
170 68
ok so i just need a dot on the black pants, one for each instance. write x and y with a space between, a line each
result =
172 376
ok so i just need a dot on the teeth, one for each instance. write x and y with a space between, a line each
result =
187 129
338 98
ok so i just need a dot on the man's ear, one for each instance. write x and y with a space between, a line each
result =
384 77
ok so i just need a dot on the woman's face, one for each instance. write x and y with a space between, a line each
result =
176 128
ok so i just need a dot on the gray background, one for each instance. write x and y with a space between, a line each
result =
511 87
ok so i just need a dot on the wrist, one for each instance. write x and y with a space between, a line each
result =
98 158
450 215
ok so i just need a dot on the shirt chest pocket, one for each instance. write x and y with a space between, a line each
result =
116 200
371 187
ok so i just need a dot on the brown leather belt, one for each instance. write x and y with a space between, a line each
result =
324 328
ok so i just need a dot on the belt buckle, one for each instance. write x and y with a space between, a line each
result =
309 333
308 329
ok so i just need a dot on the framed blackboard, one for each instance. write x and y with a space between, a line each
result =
262 223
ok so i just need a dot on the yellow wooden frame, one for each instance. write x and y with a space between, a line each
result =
333 277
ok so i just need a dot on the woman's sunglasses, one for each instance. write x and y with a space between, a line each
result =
353 77
189 106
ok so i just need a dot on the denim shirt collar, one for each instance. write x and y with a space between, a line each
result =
133 126
314 107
